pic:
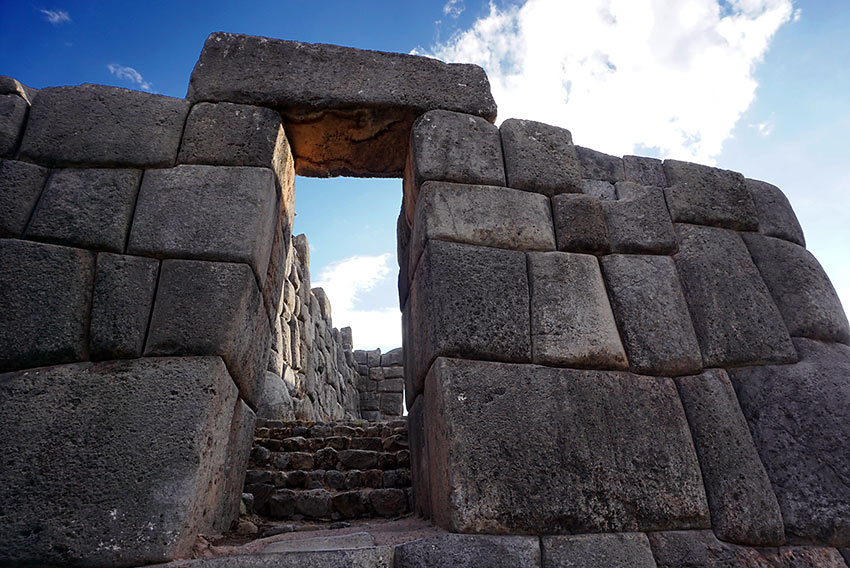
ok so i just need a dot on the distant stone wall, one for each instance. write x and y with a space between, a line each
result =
381 383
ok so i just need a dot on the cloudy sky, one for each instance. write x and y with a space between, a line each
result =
757 86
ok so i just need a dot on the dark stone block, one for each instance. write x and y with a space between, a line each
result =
613 550
540 158
580 224
453 550
358 459
390 403
13 116
20 186
638 222
314 503
776 217
11 86
644 171
281 504
388 502
598 166
419 458
351 504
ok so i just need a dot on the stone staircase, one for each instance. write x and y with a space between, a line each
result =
328 471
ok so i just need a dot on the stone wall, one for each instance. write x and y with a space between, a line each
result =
381 383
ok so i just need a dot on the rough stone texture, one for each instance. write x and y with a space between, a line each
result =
644 171
127 458
275 402
617 550
652 314
802 290
481 215
709 196
13 115
89 208
454 550
104 126
212 308
121 306
419 457
540 158
638 222
599 189
743 507
20 186
580 224
207 212
468 302
370 557
598 166
238 451
571 320
45 291
10 86
776 218
597 452
735 319
798 416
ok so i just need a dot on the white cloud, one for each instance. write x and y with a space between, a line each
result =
129 74
454 8
56 17
763 128
344 282
625 75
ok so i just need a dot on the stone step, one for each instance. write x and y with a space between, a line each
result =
373 557
339 542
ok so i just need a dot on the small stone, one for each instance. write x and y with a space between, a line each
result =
301 460
353 479
281 504
297 479
358 459
388 502
350 504
314 503
245 527
335 479
373 478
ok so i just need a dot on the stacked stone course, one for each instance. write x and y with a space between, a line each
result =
381 383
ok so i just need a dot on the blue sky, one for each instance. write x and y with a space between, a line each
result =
757 86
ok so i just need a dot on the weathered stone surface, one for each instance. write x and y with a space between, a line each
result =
104 126
468 301
13 115
207 212
403 254
238 450
121 307
388 502
89 208
635 468
419 457
45 291
275 402
453 550
802 290
599 189
743 507
314 503
324 302
212 308
598 166
735 319
612 550
392 358
335 542
709 196
652 314
644 171
571 320
776 217
391 404
127 458
540 158
638 222
11 86
798 416
371 557
489 216
580 224
20 186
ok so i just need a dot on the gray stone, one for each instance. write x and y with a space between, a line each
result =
358 459
324 303
45 291
419 457
390 403
313 503
393 358
613 550
346 337
495 217
391 385
709 196
393 372
735 319
103 126
373 358
89 208
13 115
742 503
571 320
371 557
454 550
273 283
127 456
634 469
388 502
580 224
207 212
275 402
403 252
652 314
599 189
798 416
238 451
802 290
121 307
638 222
644 171
470 302
11 86
599 166
776 217
212 308
336 542
20 186
540 158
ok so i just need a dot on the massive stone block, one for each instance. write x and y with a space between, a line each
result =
453 550
13 115
776 218
798 416
45 291
540 158
10 86
802 290
652 314
734 316
580 224
212 308
644 171
467 301
598 166
238 450
613 550
709 196
364 557
207 212
113 463
532 449
638 221
88 208
419 457
743 507
103 126
20 186
571 320
347 110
